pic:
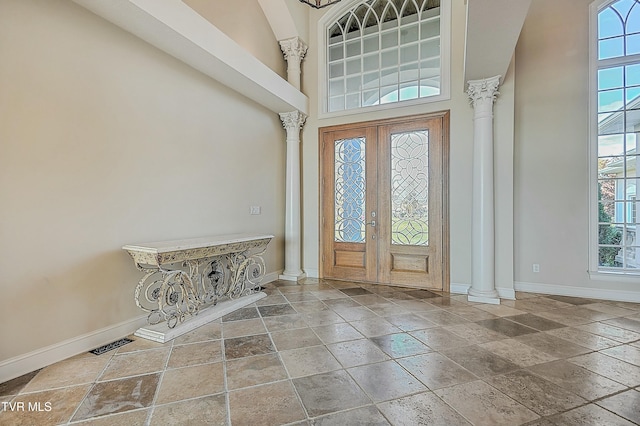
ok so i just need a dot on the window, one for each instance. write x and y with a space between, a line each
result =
385 51
616 66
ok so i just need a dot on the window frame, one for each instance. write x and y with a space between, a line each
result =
595 271
445 63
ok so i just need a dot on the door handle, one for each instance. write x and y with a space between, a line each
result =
372 223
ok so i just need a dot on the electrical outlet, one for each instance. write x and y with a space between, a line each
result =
255 210
536 267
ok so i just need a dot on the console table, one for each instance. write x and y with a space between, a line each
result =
201 279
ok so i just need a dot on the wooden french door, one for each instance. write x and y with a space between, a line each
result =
384 188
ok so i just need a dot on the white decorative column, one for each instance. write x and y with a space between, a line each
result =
292 122
482 94
294 50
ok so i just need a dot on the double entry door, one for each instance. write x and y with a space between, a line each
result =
384 214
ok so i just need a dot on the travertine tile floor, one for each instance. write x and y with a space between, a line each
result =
337 353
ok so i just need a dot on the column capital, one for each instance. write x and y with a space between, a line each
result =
481 91
293 121
293 48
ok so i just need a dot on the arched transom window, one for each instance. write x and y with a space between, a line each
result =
383 51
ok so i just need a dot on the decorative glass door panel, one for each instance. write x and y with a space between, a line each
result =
350 190
384 211
410 188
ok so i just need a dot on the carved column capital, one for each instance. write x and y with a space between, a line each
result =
293 49
293 121
483 91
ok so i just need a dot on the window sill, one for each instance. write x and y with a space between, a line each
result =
623 277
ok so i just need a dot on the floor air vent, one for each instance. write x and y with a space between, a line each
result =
111 346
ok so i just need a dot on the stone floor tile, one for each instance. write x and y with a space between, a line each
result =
400 345
138 344
276 404
506 327
517 352
355 291
385 381
309 306
436 371
73 371
563 316
439 338
421 409
611 332
369 416
357 352
191 382
300 297
294 339
552 345
625 404
583 338
625 353
534 321
240 347
329 294
443 318
410 322
539 395
626 323
375 327
308 361
211 331
50 407
128 418
499 310
272 299
484 405
254 370
285 322
195 353
355 313
576 379
479 361
471 313
13 387
590 415
209 410
571 300
335 333
136 363
330 392
276 310
242 314
606 308
248 327
612 368
475 334
117 396
314 319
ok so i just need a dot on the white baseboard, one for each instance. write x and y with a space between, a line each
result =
270 277
26 363
312 273
458 288
591 293
503 293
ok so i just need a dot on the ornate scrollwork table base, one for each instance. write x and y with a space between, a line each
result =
187 283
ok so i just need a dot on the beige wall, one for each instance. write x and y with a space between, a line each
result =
551 152
104 141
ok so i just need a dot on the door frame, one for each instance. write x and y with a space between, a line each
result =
444 116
